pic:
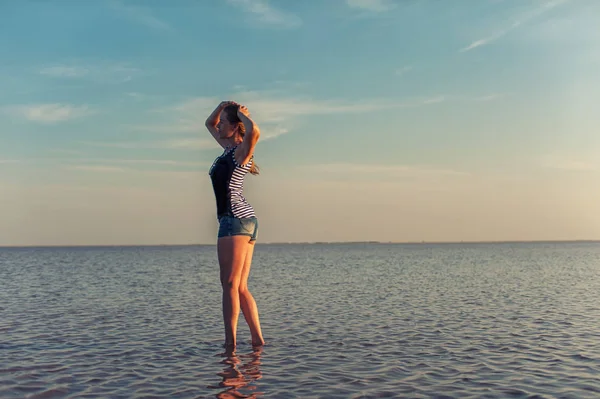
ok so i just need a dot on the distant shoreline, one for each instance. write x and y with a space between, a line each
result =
314 243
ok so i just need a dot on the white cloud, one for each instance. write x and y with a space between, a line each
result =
266 14
524 18
271 133
371 5
278 109
49 113
480 42
276 114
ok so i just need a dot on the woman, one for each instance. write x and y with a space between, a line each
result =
231 126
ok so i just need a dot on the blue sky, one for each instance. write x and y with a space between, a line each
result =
381 120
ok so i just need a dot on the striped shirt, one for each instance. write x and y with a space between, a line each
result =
227 178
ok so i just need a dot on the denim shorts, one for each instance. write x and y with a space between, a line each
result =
232 226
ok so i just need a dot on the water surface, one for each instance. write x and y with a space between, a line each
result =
518 320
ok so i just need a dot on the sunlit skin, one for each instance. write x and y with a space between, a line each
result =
235 252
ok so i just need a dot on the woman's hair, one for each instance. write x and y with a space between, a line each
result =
232 117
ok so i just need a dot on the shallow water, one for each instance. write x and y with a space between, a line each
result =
344 320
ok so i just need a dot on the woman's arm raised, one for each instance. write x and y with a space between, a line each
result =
246 150
213 120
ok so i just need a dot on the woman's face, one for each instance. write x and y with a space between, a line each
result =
226 129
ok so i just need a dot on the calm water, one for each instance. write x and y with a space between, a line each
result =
347 321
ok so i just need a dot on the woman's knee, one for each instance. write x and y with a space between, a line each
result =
243 290
231 284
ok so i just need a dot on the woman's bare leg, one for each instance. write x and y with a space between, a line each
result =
232 255
247 302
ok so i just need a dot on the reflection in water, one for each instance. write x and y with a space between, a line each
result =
239 375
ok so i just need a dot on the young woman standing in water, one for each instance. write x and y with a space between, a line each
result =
230 124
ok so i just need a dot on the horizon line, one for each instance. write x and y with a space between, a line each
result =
310 243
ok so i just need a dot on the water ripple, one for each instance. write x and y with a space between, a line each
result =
347 321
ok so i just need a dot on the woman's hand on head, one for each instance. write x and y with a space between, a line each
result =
242 109
226 103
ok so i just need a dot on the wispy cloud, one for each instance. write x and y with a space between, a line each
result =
476 98
175 144
99 71
522 19
577 25
142 96
490 97
117 170
397 170
267 15
66 151
273 132
106 164
148 167
371 5
64 71
276 114
177 126
191 144
96 168
161 162
568 164
48 113
272 108
139 15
